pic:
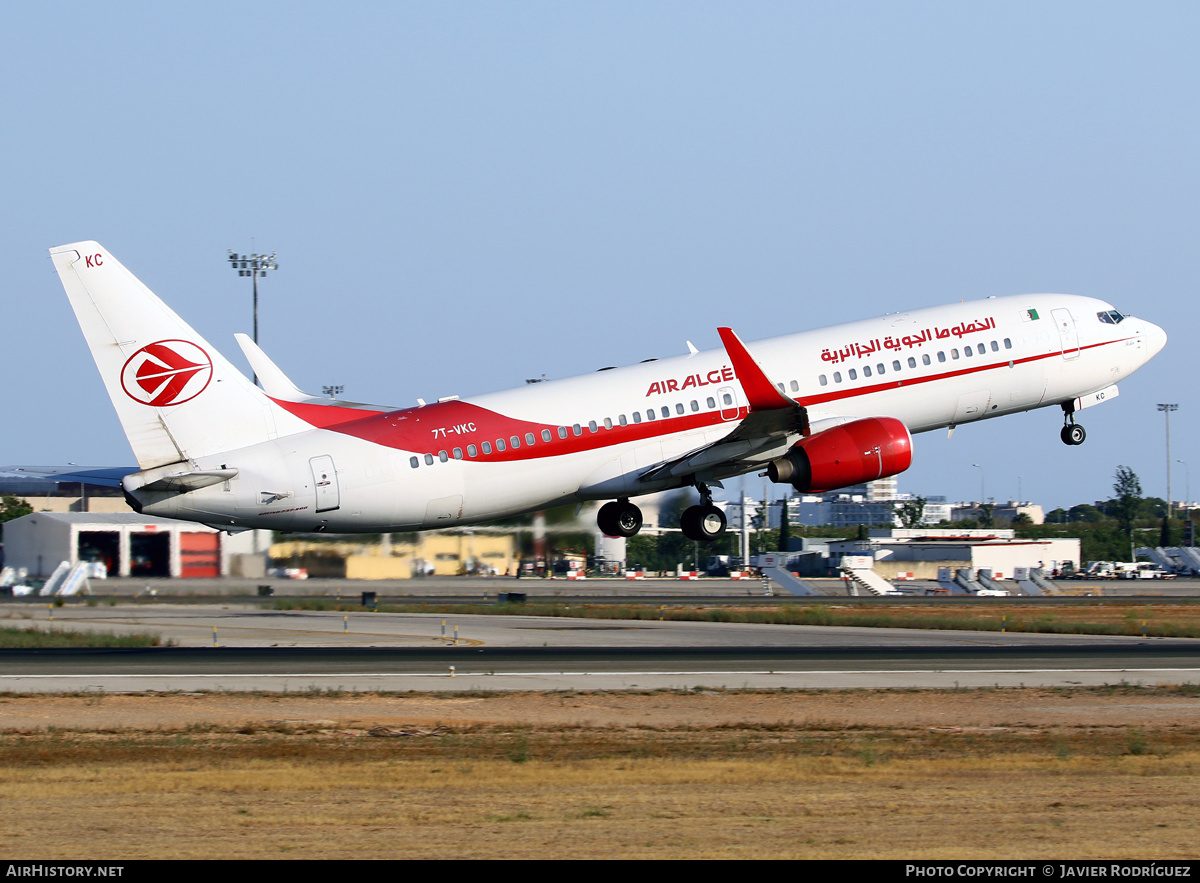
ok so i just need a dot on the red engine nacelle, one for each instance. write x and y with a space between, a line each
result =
858 451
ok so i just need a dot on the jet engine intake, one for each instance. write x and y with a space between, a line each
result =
849 454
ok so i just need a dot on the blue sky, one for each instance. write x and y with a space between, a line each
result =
466 195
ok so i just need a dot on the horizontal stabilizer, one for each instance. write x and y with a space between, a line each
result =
180 483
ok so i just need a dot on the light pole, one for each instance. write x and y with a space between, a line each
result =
982 493
254 265
1188 494
1167 409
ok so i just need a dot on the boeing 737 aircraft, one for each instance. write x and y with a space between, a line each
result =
818 410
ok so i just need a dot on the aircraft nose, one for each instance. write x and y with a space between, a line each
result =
1155 339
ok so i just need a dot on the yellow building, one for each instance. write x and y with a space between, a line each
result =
431 554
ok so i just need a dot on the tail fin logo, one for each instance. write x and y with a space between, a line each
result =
168 372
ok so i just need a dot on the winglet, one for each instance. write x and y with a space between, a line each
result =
761 393
275 383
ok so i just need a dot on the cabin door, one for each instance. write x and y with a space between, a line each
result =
325 483
1068 334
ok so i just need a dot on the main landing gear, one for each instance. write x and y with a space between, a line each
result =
1072 433
705 522
619 518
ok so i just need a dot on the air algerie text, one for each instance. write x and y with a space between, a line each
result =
717 375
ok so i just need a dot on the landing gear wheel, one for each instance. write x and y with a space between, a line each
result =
1073 434
619 518
702 523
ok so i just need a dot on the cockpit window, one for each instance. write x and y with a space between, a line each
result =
1110 317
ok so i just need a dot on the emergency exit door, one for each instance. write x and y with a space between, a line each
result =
325 483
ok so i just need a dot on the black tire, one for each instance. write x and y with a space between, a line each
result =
702 523
619 518
1073 434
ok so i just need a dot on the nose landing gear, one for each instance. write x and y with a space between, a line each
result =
1072 433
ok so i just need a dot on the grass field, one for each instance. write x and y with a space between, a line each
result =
1101 618
33 637
786 789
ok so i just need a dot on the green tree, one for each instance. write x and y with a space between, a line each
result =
985 515
911 512
785 528
1127 499
1084 512
10 508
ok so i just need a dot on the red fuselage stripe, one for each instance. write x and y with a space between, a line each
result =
445 426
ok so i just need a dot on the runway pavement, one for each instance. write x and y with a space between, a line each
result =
234 647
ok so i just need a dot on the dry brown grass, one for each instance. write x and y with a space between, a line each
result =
779 788
1116 616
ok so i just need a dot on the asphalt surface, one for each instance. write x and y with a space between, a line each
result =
229 647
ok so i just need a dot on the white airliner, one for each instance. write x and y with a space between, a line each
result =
819 410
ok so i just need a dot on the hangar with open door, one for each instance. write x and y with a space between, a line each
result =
127 544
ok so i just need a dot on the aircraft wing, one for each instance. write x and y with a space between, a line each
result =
277 385
775 422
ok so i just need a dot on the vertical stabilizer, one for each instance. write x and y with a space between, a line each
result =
178 399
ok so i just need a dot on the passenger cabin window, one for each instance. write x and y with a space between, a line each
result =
665 412
546 435
967 350
712 403
727 398
562 432
679 408
637 417
837 376
608 423
879 368
413 462
429 459
795 386
458 453
823 380
592 427
442 456
954 353
941 356
925 359
623 421
575 428
499 444
650 414
695 405
1007 343
487 447
471 451
866 370
853 374
995 347
529 438
514 441
896 365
